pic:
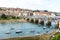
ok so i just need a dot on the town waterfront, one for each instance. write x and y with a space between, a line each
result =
9 30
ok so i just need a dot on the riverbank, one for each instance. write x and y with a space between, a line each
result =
38 37
56 36
13 20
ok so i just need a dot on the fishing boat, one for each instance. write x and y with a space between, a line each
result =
18 31
8 32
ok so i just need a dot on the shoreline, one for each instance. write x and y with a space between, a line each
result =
13 20
39 36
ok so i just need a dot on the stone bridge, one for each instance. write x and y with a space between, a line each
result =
41 20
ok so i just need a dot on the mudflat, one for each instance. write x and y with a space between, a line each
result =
13 20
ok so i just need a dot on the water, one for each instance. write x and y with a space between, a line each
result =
28 29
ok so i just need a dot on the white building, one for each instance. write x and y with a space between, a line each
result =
53 15
25 13
36 14
20 14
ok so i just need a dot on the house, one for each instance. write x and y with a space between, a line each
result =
57 14
19 14
25 13
36 13
53 15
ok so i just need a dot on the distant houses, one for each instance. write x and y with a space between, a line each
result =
44 13
25 12
13 11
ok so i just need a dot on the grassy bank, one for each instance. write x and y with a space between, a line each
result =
38 37
56 37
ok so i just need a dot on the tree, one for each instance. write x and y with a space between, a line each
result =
1 9
17 17
13 17
45 10
3 16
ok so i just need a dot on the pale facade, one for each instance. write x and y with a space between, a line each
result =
36 14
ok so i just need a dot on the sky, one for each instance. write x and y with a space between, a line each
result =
50 5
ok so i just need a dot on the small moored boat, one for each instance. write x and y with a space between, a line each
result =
8 32
12 28
18 31
38 32
32 31
44 27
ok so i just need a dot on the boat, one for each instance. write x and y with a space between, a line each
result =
12 28
44 27
38 32
8 32
18 31
32 31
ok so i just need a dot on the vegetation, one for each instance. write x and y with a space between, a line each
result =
0 9
56 37
45 10
3 16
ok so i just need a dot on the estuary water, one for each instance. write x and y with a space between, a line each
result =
9 30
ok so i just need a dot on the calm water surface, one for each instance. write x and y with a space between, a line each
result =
28 29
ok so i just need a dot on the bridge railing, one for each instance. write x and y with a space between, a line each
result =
43 17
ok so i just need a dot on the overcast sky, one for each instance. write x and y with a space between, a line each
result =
51 5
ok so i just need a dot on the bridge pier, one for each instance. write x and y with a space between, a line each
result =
35 20
57 24
27 19
31 20
48 22
41 21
